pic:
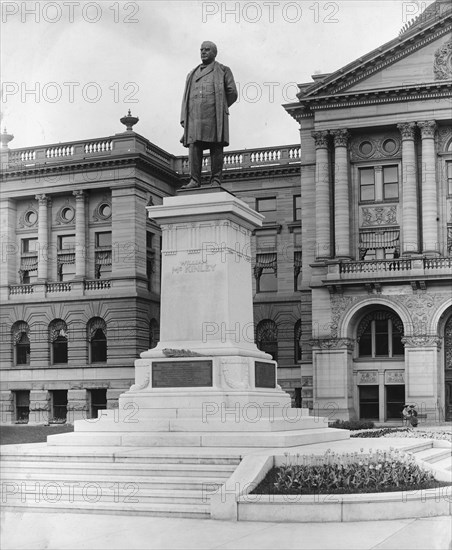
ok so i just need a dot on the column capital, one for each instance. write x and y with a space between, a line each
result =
341 137
428 128
407 129
79 195
321 139
43 199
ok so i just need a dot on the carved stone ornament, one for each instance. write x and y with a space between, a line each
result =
379 215
169 352
427 128
102 212
367 377
407 129
65 214
423 341
321 139
422 306
29 218
341 138
333 343
235 373
384 146
394 377
442 66
143 385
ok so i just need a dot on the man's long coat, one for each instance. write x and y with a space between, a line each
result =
225 96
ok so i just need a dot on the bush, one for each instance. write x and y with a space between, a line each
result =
383 432
378 471
352 424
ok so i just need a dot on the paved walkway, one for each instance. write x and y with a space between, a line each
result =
36 530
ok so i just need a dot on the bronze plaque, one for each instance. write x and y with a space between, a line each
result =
181 374
264 375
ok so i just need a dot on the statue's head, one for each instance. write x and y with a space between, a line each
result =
208 52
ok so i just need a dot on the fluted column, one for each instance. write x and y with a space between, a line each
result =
429 199
80 238
410 242
43 237
341 195
322 196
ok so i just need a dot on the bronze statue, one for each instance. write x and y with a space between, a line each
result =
209 92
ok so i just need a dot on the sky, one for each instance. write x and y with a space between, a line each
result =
71 69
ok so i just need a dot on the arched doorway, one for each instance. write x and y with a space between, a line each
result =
448 368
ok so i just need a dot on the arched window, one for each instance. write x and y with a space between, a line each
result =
380 335
267 337
97 338
297 340
58 337
154 333
21 342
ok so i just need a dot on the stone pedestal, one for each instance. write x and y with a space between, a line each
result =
206 383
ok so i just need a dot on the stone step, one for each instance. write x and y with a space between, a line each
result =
16 479
127 493
230 423
176 455
444 464
195 511
434 455
136 470
251 439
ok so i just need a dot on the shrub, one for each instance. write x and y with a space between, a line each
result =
352 424
383 432
375 472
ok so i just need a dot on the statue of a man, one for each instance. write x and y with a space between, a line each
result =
209 92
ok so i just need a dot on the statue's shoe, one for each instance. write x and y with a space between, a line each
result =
192 184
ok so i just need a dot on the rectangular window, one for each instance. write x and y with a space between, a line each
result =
98 401
103 240
266 243
66 242
367 184
149 239
390 182
59 405
449 177
267 204
297 208
66 272
22 405
30 246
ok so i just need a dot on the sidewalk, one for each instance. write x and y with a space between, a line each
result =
36 530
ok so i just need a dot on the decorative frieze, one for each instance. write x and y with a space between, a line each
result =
421 306
422 341
394 377
333 343
379 215
442 65
367 377
375 147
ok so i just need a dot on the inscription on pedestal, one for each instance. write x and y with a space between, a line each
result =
181 374
264 375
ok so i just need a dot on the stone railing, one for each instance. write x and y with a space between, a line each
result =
386 266
98 284
250 158
438 263
17 290
58 287
128 143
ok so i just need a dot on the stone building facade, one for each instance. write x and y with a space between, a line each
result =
80 270
376 178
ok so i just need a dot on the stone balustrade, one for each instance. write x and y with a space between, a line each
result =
134 143
98 284
57 287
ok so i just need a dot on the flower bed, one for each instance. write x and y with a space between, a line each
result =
405 432
333 473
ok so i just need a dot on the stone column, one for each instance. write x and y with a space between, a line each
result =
322 196
410 242
430 244
341 195
80 230
43 237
